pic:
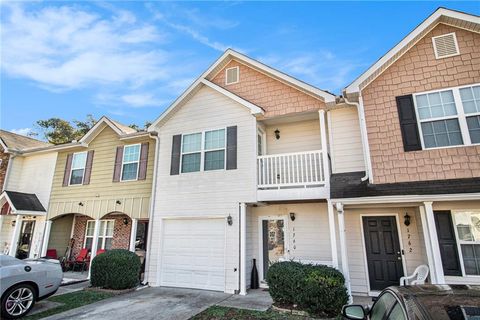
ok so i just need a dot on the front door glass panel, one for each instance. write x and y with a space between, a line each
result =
25 240
273 242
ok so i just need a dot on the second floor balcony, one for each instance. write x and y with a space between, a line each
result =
292 162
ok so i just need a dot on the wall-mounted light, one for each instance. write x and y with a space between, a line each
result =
13 223
406 219
229 220
118 202
125 221
80 204
277 134
292 216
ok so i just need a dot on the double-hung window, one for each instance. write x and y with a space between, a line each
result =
130 162
449 117
467 225
105 234
203 151
79 161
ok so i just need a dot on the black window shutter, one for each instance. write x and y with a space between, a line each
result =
232 148
175 159
408 123
448 243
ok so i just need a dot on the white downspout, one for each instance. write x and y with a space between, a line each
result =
363 133
152 208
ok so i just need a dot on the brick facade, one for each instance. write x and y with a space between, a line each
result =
4 158
418 71
121 232
275 97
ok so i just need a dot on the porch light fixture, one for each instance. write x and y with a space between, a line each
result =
229 220
80 204
277 134
118 202
406 219
13 223
125 221
292 216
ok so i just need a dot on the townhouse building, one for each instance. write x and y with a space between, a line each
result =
100 192
418 201
25 181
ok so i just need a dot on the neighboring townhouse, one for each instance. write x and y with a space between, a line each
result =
101 192
26 180
243 173
418 201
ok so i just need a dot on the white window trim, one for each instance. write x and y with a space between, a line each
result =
460 242
87 236
103 237
100 236
202 151
461 116
128 162
72 168
449 55
238 75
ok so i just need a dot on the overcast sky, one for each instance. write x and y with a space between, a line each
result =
130 60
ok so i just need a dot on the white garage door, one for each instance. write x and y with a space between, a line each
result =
193 254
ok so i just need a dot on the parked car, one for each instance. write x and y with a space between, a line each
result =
24 282
423 302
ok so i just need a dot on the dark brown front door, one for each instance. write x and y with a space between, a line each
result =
384 258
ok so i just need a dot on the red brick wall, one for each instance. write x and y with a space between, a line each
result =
418 71
4 157
121 232
275 97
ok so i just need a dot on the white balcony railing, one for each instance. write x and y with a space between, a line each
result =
289 170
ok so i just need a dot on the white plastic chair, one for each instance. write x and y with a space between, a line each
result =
418 277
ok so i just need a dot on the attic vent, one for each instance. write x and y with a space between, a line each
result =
445 45
231 75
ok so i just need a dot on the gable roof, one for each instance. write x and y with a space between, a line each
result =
17 142
454 18
20 201
119 129
225 58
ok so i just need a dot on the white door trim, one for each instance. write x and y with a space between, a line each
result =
260 240
375 293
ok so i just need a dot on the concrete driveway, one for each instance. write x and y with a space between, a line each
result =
148 303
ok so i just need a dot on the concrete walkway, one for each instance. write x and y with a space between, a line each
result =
148 303
258 300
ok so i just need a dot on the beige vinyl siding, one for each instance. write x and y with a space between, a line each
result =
6 232
308 236
346 148
356 249
206 193
15 166
60 233
100 196
294 137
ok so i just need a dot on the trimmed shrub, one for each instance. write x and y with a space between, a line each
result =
314 288
116 269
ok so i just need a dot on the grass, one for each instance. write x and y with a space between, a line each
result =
71 301
226 313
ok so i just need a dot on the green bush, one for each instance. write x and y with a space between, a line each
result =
314 288
115 269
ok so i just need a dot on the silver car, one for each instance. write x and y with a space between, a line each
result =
23 282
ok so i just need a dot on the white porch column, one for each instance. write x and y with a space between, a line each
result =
333 235
93 253
133 234
437 270
1 222
15 235
323 138
243 248
343 250
428 245
46 237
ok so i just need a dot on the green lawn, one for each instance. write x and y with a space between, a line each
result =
71 301
225 313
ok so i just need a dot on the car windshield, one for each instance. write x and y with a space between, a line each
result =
451 307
